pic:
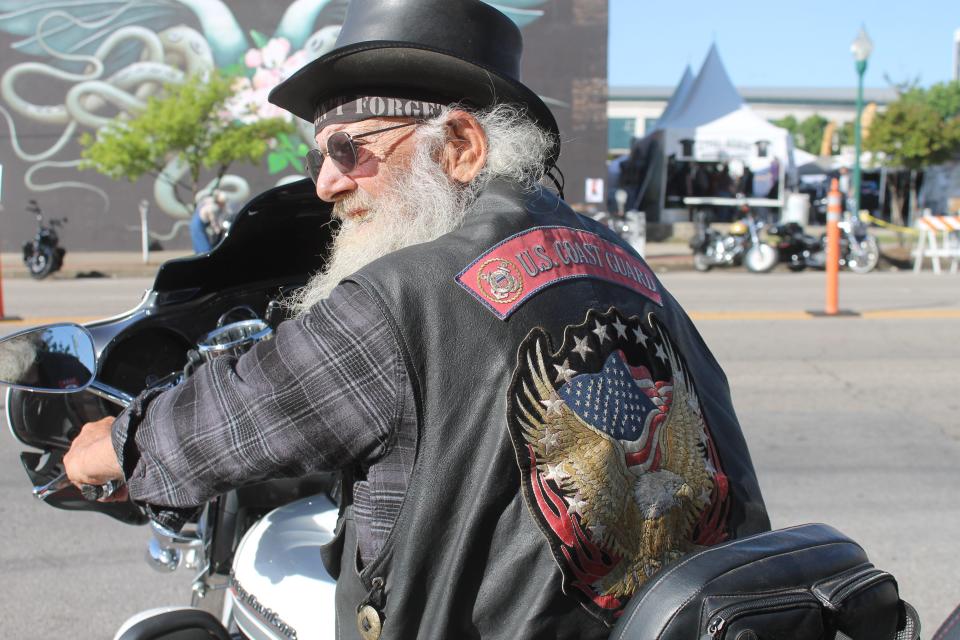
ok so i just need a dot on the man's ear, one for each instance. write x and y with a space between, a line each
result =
465 152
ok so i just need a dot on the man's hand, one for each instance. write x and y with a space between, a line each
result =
91 459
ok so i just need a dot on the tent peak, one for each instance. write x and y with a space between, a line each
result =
677 100
711 95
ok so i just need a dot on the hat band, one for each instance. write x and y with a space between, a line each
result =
354 108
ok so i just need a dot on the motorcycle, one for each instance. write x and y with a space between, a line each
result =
740 245
859 250
43 255
240 544
629 225
796 248
255 550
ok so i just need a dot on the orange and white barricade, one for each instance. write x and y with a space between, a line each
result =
930 228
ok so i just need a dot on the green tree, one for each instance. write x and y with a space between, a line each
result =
788 122
186 123
921 128
808 134
943 97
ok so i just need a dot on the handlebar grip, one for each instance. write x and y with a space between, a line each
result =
94 492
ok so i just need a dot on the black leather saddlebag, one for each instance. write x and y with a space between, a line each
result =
809 582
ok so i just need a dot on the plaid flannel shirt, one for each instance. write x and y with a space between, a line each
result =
330 391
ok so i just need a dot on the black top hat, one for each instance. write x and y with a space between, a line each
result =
438 50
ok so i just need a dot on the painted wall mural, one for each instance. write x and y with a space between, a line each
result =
71 66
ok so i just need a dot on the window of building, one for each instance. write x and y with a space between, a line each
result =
619 133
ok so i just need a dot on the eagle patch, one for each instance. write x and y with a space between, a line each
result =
617 463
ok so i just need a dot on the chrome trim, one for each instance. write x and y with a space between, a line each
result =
163 559
112 394
246 333
106 330
209 592
243 307
172 538
146 299
59 483
96 359
167 550
6 412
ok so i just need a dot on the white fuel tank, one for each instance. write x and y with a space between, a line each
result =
280 589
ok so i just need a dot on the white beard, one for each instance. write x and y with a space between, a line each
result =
421 205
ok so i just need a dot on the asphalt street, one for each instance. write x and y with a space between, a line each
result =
851 421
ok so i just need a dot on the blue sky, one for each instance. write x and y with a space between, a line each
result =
801 43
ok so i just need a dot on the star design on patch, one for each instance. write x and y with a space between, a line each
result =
582 347
550 440
598 530
661 353
601 331
576 505
556 473
553 404
620 327
706 494
564 372
640 336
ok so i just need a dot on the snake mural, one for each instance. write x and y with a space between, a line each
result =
74 65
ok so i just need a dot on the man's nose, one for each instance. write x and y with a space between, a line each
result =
331 183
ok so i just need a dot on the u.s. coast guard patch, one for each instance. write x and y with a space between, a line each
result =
512 271
617 462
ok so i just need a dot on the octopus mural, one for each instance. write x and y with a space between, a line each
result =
81 63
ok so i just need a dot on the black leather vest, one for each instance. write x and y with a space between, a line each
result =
477 549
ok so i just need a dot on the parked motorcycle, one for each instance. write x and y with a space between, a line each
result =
740 245
796 248
859 250
256 550
43 255
630 225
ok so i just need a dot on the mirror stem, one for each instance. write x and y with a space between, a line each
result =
114 395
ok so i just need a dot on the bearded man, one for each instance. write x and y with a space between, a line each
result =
528 424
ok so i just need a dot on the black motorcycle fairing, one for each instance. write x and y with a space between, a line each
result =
277 241
282 235
141 357
51 421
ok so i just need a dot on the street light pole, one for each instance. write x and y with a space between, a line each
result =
861 49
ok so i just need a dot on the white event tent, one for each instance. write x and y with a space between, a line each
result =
706 120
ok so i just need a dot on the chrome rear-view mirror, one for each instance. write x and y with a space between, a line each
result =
56 358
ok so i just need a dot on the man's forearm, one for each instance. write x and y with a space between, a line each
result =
321 395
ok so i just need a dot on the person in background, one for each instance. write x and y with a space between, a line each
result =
207 222
199 222
843 182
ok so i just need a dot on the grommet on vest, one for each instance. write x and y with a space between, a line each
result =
369 616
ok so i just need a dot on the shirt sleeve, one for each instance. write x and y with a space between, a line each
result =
326 392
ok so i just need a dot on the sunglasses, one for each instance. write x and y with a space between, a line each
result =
342 150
